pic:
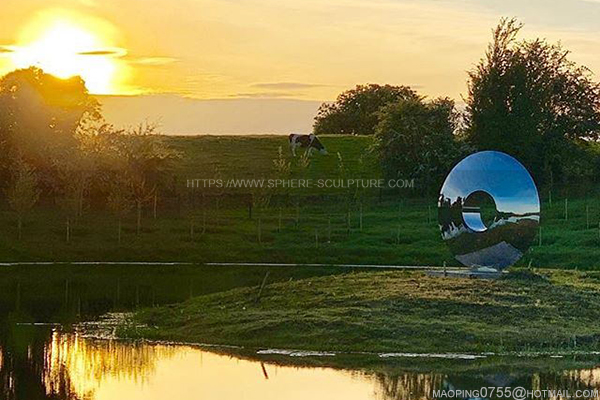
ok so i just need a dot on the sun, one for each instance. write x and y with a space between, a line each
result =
65 48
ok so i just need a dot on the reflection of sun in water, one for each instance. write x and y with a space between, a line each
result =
65 48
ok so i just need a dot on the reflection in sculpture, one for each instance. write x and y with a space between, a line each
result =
500 241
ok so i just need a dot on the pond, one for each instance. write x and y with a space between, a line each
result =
42 362
42 358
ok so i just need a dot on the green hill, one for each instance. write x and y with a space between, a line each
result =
393 312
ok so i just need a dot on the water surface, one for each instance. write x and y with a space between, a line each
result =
41 363
53 362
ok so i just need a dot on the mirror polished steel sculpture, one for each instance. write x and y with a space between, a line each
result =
499 241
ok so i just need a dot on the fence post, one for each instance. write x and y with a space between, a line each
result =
361 217
68 230
262 286
279 221
154 205
217 220
587 217
259 230
347 221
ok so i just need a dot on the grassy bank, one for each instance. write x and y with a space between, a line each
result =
393 312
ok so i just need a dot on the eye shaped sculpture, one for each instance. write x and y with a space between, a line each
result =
498 235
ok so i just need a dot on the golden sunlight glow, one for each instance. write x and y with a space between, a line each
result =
65 46
108 370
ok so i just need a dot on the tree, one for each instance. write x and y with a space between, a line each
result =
283 171
23 193
142 193
416 139
527 99
74 175
145 157
39 116
355 111
120 199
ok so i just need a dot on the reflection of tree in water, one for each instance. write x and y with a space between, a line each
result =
20 371
568 380
39 364
407 386
589 377
421 386
59 366
76 365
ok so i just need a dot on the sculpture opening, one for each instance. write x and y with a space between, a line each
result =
479 211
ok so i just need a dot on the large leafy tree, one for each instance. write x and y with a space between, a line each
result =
416 139
355 111
40 115
528 99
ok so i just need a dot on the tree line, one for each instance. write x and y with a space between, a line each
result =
524 97
58 149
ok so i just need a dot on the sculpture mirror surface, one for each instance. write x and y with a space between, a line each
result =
488 210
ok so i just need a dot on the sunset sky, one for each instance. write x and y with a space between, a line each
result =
251 54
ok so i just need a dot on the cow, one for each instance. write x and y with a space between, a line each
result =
309 142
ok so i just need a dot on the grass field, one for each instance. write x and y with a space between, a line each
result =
524 312
252 156
296 226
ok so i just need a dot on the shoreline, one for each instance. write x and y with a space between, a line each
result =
391 312
387 362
